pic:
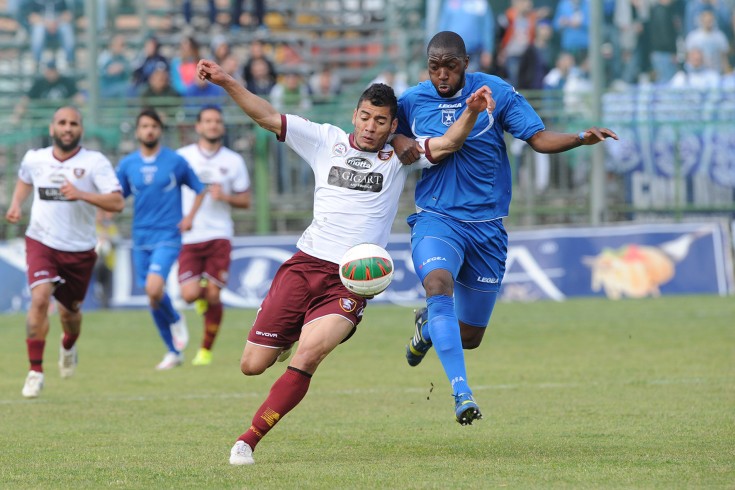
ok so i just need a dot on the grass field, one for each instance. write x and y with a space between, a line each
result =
581 394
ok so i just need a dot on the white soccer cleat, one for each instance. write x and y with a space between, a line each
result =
170 361
67 361
285 353
241 454
180 333
34 384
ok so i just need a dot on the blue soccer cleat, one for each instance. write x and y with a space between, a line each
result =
465 409
418 346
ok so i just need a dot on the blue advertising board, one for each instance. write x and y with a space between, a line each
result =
623 261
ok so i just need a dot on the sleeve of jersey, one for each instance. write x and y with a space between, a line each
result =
121 174
190 177
303 136
241 180
519 118
24 172
426 160
105 178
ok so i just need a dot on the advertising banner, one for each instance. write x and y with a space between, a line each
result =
624 261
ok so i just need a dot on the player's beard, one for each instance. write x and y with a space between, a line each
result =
149 144
66 147
213 140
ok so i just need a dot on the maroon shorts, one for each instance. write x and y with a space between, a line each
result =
70 272
209 259
304 289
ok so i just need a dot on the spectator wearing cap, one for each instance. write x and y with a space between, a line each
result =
51 86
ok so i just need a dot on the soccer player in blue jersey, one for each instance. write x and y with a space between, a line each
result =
154 176
458 241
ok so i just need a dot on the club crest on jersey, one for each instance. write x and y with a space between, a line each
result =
339 150
359 163
448 116
223 170
347 304
78 173
385 155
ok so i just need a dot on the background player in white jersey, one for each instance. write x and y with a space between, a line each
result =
358 180
204 261
67 182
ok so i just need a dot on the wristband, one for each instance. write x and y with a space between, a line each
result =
581 135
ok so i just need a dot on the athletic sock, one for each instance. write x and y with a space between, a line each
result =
212 322
35 353
285 394
444 332
165 305
164 328
69 340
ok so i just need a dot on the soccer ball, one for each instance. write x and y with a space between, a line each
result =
366 269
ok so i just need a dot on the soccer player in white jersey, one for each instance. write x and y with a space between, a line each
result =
358 180
68 183
204 261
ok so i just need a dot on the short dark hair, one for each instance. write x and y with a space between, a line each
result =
380 95
149 112
447 40
209 107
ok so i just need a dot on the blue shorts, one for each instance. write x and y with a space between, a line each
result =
474 253
157 260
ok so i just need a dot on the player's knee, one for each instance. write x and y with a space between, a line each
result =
250 368
471 343
437 284
189 296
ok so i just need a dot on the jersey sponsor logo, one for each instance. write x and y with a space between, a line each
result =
359 163
488 280
450 106
339 150
448 116
430 260
78 173
347 304
385 155
51 194
267 334
349 179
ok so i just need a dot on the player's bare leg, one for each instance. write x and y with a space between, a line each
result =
37 327
71 323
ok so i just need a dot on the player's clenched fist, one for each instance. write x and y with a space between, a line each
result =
209 70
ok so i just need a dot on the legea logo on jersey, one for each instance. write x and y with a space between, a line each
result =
57 178
339 150
448 116
359 163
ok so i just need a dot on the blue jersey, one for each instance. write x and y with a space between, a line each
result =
156 189
473 184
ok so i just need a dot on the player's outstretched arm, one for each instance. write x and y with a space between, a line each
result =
552 142
257 108
451 141
20 194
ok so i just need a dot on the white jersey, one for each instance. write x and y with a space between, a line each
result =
356 192
214 218
65 225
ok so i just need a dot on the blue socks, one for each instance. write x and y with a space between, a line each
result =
443 330
164 316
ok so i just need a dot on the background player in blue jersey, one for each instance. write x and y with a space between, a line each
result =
154 176
458 241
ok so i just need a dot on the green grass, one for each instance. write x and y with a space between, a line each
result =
581 394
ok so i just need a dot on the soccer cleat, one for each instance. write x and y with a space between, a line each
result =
285 353
170 361
203 357
180 333
33 385
241 454
418 346
201 306
67 361
465 409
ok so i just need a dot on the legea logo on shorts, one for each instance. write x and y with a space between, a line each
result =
266 334
432 259
487 280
